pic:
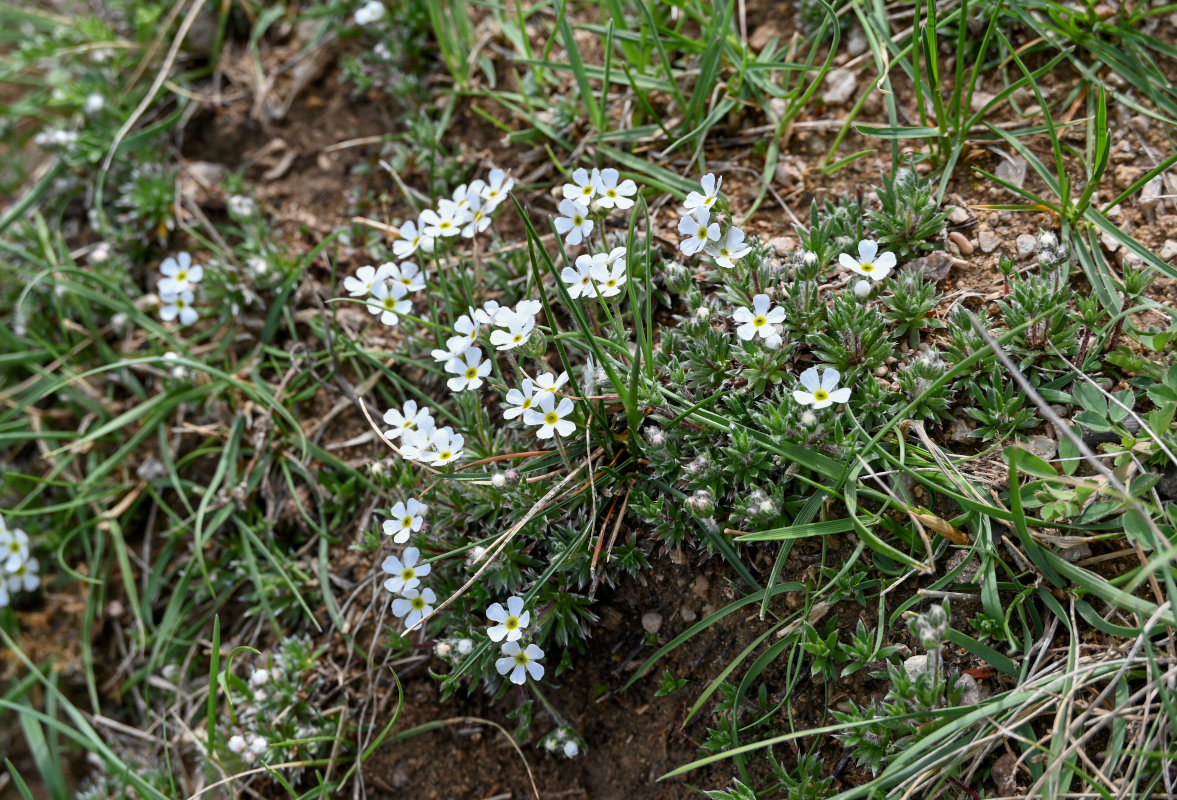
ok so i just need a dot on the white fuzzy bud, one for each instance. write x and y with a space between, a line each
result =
571 748
861 289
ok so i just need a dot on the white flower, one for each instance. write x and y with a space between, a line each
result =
408 418
710 185
416 442
488 313
758 319
870 261
609 279
387 300
236 743
550 417
730 249
821 391
519 400
14 548
367 277
444 446
406 519
179 305
580 280
548 382
520 663
574 222
241 206
447 220
179 276
616 254
257 745
610 192
527 308
24 577
465 646
582 187
512 620
406 574
259 677
95 102
456 345
497 187
412 238
518 331
414 606
370 12
861 289
408 274
571 749
468 370
699 230
479 219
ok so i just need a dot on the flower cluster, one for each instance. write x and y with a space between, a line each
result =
535 401
420 438
177 288
702 234
600 190
18 567
517 662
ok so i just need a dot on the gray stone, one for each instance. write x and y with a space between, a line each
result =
652 622
840 87
1027 245
1012 170
856 43
1042 446
916 666
1168 250
980 100
988 240
958 215
970 694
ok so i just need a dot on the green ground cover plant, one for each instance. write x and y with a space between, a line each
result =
265 480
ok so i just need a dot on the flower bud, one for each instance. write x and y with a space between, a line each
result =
700 504
862 289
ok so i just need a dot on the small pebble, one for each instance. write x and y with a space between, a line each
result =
688 615
989 241
701 586
1168 250
962 243
1027 245
958 215
881 372
652 622
840 86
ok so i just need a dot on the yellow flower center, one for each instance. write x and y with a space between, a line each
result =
821 395
587 189
389 304
551 418
409 573
611 283
471 374
445 455
760 322
866 266
521 660
611 193
407 522
418 603
445 225
526 404
511 624
578 220
518 338
182 275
